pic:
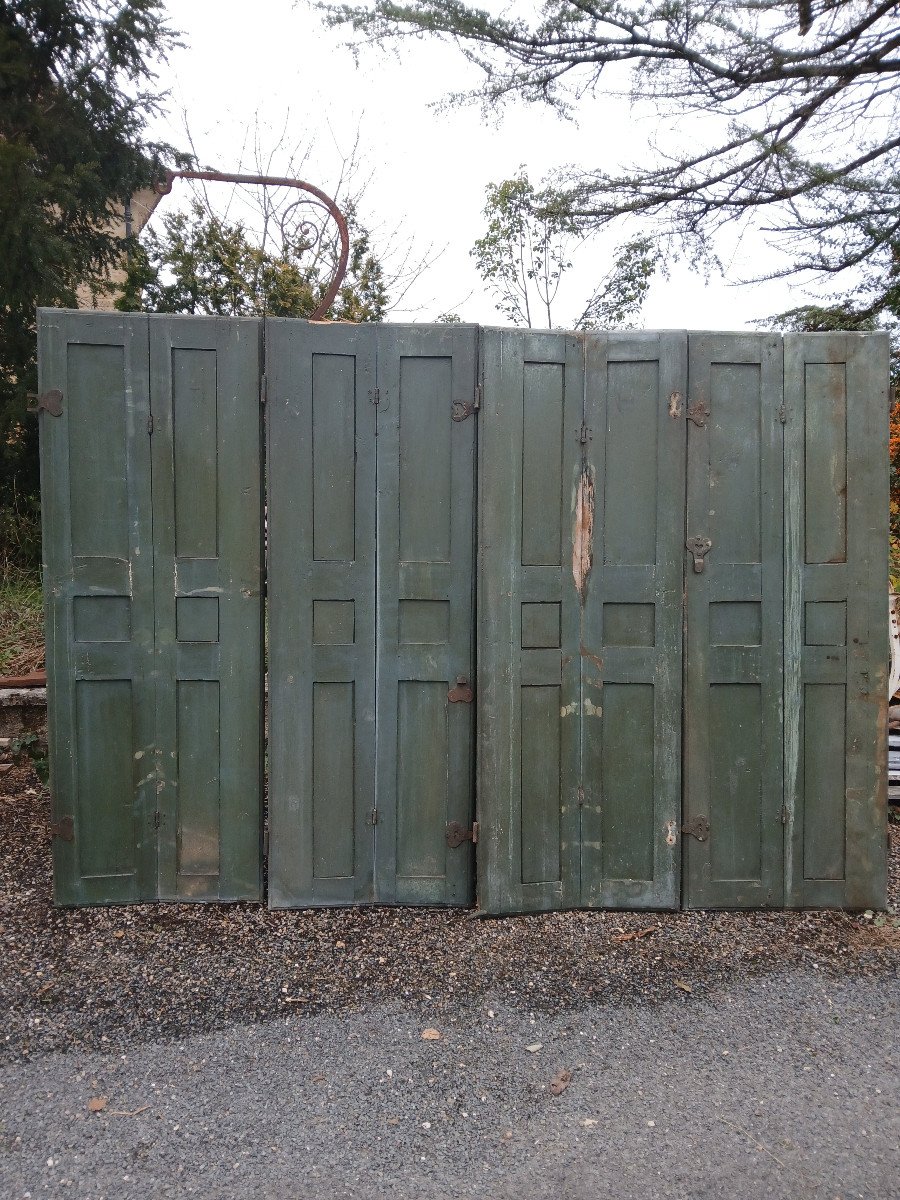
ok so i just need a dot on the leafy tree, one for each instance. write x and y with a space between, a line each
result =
76 90
799 103
525 253
201 263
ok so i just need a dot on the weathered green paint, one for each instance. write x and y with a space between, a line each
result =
365 646
207 495
733 718
144 719
836 619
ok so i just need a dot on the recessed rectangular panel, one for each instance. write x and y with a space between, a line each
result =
334 742
735 781
542 483
102 618
629 624
826 622
826 463
334 623
422 761
630 463
824 780
735 490
735 623
627 790
424 622
197 618
104 831
540 626
197 714
426 401
334 456
541 767
195 449
98 472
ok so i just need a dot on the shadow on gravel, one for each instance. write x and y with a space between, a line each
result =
102 977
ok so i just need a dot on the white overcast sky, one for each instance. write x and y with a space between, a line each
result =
429 168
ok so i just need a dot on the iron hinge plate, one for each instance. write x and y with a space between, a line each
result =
263 388
157 819
50 402
373 817
698 828
462 693
459 411
457 834
150 423
699 548
478 395
64 829
699 413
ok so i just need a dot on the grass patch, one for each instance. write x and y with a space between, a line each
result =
21 621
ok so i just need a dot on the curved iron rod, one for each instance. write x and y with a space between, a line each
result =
164 187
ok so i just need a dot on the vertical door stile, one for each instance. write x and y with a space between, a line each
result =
425 471
631 645
734 836
98 581
321 586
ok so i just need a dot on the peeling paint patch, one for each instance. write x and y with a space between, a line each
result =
583 533
675 405
593 710
568 709
598 662
670 833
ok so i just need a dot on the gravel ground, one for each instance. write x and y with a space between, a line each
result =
778 1087
264 1039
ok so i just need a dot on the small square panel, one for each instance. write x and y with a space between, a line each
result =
424 622
826 623
197 618
735 623
540 626
102 619
629 625
334 622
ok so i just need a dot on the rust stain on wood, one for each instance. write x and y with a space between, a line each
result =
583 533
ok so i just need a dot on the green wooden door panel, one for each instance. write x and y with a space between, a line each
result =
635 385
207 503
836 618
321 586
733 715
425 608
529 618
98 581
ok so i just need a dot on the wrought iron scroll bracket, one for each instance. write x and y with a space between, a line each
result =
164 186
699 548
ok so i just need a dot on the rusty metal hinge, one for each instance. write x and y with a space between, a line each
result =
699 413
698 828
50 402
784 814
157 819
782 415
585 434
64 828
580 794
263 388
478 395
460 411
375 396
373 817
462 693
150 423
457 834
699 548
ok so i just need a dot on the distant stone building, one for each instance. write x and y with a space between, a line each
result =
130 221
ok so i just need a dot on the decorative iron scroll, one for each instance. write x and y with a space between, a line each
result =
163 187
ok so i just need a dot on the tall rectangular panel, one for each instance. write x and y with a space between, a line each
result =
733 718
533 502
836 618
98 580
424 596
320 416
207 554
631 619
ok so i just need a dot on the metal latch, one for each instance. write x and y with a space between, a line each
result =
457 834
698 413
50 402
699 548
462 693
63 828
698 828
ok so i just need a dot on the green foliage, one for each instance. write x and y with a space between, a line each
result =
200 263
76 89
526 252
35 748
21 621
